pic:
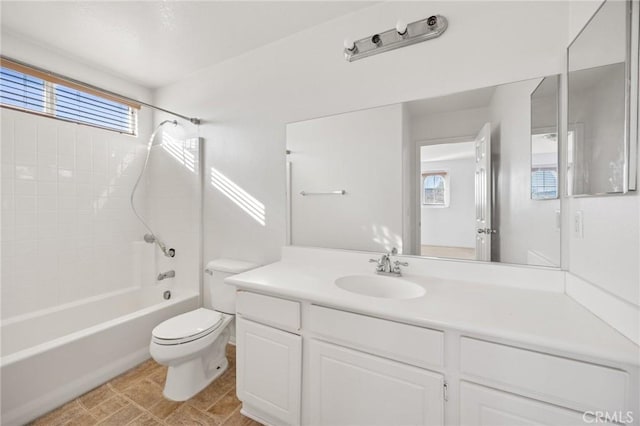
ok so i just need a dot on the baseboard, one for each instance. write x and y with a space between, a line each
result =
42 405
618 313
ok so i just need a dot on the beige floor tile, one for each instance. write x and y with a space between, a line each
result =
237 419
164 408
189 416
61 415
144 393
96 396
225 407
210 395
122 417
159 376
145 420
108 407
134 375
84 419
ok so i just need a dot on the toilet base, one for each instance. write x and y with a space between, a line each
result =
189 378
189 375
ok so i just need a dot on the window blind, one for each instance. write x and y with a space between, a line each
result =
544 183
32 90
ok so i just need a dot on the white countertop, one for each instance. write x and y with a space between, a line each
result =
544 319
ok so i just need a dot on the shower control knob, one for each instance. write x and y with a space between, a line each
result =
171 252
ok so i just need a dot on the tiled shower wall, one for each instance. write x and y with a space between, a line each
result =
67 227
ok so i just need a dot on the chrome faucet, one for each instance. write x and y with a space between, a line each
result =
386 267
168 274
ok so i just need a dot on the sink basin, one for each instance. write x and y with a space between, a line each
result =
379 286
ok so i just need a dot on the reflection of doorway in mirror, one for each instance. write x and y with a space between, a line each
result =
447 199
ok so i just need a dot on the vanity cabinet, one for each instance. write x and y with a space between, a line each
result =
269 358
302 363
349 387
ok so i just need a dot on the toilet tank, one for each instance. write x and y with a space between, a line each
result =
223 296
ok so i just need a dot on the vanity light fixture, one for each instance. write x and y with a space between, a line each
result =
400 36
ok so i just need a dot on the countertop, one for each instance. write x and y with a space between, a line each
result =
542 319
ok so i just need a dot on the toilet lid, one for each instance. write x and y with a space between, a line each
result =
188 325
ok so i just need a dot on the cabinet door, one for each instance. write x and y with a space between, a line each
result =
481 406
348 387
269 371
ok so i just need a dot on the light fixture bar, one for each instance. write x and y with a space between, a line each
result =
415 32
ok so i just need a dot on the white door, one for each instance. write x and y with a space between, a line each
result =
480 406
348 387
483 193
269 371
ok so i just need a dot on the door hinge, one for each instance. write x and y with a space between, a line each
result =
445 391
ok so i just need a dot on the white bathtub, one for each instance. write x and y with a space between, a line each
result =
54 355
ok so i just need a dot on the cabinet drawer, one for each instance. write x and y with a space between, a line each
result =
414 345
280 313
574 384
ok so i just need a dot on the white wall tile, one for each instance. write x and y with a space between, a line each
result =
25 135
6 150
47 136
66 223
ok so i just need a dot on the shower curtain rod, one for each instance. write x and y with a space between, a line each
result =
97 89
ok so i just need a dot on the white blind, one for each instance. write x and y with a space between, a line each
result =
34 91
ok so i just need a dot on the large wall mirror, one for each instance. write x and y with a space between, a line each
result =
471 175
602 119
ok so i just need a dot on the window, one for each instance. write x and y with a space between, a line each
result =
544 183
434 189
31 90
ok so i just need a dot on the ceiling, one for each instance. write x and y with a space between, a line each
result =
154 43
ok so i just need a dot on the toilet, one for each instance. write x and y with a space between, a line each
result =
193 344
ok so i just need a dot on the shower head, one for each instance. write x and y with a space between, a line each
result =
174 122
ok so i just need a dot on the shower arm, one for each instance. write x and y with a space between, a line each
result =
151 236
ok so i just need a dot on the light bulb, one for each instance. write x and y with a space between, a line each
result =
401 27
349 44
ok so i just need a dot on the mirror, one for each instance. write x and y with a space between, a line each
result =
448 177
544 140
601 157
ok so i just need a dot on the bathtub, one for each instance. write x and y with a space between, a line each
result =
52 356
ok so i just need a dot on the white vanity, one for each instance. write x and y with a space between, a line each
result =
469 353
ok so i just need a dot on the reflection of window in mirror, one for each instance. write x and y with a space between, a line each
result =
544 166
435 189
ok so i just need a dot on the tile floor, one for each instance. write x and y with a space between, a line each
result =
135 398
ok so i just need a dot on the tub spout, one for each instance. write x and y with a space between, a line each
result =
168 274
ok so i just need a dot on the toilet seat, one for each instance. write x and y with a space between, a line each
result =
187 327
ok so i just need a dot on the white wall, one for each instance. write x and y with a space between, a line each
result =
360 152
247 100
455 225
523 224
